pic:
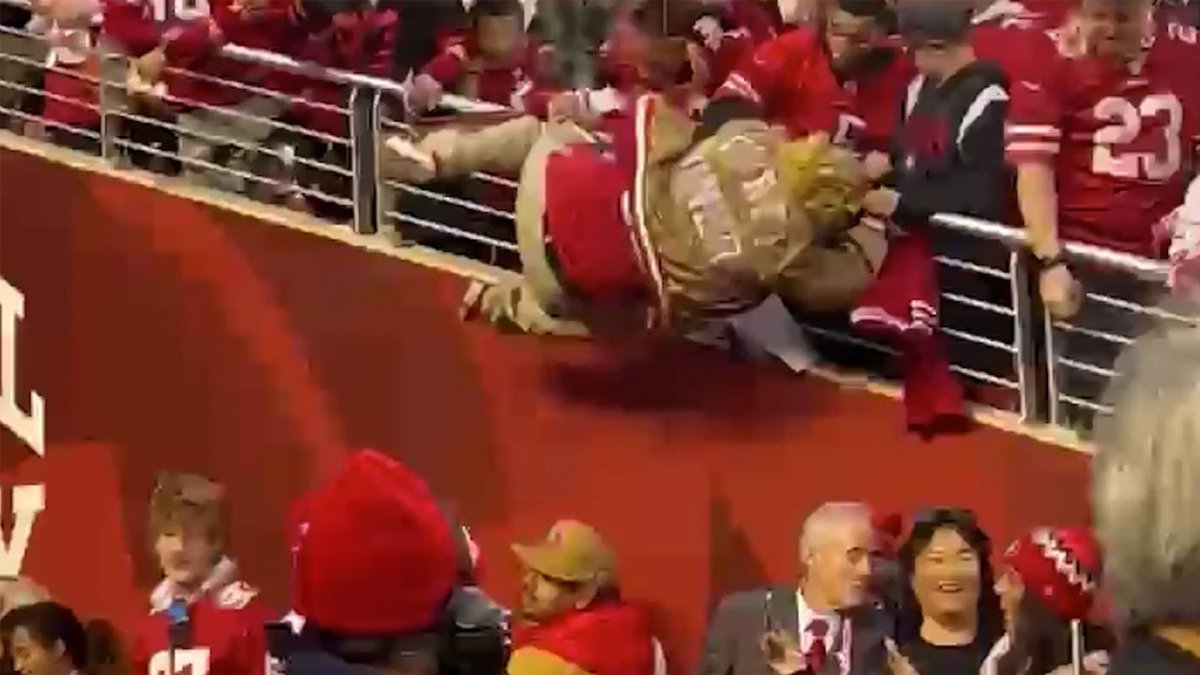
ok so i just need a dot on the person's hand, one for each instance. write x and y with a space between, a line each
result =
877 165
1061 293
783 653
897 663
568 105
424 93
1096 663
150 66
881 202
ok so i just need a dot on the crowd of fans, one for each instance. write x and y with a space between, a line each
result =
682 160
386 580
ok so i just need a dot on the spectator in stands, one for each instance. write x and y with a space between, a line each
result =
494 63
424 24
46 638
1145 497
1047 588
1102 142
840 77
951 616
373 518
70 111
577 622
822 626
200 609
15 592
730 31
17 76
948 158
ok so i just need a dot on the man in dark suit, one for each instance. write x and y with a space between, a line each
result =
823 627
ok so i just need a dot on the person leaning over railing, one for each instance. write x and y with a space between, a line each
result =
71 99
214 114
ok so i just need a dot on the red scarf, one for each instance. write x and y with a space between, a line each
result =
608 638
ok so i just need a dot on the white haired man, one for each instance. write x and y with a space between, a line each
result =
823 626
1146 496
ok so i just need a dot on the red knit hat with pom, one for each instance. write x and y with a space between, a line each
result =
1060 567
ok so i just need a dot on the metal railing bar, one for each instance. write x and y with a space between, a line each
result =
41 92
978 339
1099 335
1151 270
1139 309
1084 403
985 377
447 199
971 267
438 227
1085 367
978 304
89 133
202 135
260 91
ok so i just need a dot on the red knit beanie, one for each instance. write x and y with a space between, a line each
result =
374 554
1060 567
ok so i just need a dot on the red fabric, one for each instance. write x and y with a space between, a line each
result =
1060 568
132 25
890 528
793 81
608 638
508 84
817 653
79 94
1117 138
1016 41
762 22
228 637
901 306
374 553
360 42
586 226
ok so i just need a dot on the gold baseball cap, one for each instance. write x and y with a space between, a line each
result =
573 552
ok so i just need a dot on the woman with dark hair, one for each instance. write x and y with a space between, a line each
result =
46 638
1047 587
950 615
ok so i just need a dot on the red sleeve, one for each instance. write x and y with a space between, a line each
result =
1034 128
379 57
772 67
447 66
130 24
192 40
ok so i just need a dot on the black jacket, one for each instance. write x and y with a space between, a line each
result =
1149 655
948 155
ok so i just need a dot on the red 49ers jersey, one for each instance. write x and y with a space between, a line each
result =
227 637
792 79
1122 138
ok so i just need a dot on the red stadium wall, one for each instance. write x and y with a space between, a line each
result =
162 333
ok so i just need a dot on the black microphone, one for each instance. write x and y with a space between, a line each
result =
179 625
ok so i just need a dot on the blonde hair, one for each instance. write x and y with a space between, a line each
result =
823 178
184 500
1146 479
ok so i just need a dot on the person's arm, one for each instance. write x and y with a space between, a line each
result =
756 83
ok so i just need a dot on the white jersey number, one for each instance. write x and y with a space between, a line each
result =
179 10
1126 149
187 662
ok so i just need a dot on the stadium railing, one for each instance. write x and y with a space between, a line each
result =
1001 340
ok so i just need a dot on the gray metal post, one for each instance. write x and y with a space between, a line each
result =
364 126
1025 334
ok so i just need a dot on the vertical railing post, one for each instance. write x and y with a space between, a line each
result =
109 105
1025 335
1052 370
364 127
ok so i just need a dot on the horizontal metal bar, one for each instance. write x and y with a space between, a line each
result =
972 267
445 229
979 340
1086 367
447 199
839 336
985 377
1135 308
1084 403
1145 268
1099 335
978 304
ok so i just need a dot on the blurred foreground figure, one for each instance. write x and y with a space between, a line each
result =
655 226
378 581
1146 496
